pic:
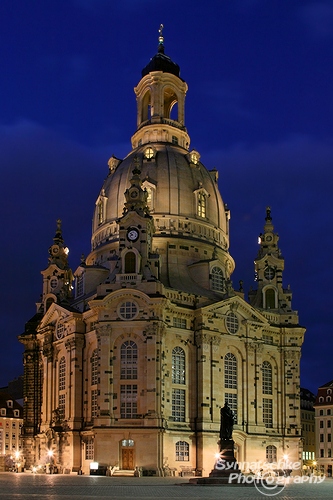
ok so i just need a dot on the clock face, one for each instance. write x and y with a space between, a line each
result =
132 234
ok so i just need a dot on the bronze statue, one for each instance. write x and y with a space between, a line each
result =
227 422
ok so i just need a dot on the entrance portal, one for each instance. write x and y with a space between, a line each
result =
127 458
127 454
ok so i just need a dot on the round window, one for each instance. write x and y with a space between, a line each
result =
53 282
60 330
232 323
149 153
269 273
128 310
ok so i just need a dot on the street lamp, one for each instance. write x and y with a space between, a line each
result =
50 455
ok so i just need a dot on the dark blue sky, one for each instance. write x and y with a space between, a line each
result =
259 109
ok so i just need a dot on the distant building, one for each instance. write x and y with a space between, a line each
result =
308 429
11 421
324 418
15 389
132 369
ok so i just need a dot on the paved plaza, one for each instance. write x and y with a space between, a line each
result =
27 486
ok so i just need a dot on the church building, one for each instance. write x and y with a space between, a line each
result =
129 358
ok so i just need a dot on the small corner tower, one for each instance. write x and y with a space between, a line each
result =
57 277
269 266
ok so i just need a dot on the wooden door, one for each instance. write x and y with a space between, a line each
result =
127 459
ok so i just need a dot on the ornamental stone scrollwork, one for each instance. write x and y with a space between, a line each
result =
254 347
234 307
48 351
291 355
216 341
202 340
260 348
74 343
151 329
103 330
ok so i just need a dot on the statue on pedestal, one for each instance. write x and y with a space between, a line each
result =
227 423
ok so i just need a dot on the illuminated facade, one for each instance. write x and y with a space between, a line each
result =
323 428
10 431
308 429
131 369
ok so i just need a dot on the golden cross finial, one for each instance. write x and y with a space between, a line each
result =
161 38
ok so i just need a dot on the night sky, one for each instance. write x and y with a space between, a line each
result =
259 109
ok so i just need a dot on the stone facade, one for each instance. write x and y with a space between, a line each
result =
131 369
323 429
11 421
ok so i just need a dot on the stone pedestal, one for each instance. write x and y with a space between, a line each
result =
226 470
226 464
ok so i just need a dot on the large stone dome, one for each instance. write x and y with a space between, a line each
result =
183 196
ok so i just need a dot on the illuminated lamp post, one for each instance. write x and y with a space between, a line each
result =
50 456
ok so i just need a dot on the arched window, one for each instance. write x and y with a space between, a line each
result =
178 366
271 454
94 403
170 100
129 360
267 412
89 445
201 204
217 279
182 451
130 263
270 298
174 112
145 107
266 378
151 190
62 374
94 366
100 212
230 371
62 387
178 405
128 401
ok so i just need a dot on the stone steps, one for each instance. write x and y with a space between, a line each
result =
123 473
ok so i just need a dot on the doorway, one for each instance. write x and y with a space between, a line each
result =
127 458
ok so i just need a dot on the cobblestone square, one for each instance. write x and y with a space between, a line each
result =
28 486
